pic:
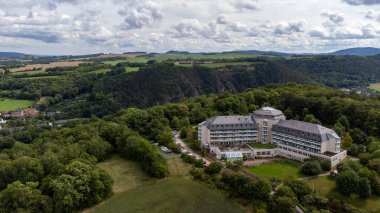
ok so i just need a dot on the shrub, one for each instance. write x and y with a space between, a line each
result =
311 168
214 168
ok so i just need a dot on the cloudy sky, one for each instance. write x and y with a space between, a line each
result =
94 26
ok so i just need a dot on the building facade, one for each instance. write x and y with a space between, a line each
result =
293 139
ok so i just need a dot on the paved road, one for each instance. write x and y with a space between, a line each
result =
184 146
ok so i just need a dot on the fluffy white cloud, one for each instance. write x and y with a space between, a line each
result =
61 26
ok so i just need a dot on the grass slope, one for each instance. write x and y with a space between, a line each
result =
125 174
278 169
170 195
375 86
8 104
325 185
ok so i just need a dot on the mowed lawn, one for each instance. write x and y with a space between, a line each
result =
277 169
321 185
375 86
170 195
7 104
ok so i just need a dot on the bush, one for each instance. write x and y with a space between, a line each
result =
325 165
214 168
311 168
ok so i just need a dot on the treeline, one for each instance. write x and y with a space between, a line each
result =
55 171
337 71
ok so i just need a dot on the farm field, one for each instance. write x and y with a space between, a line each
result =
217 65
375 86
8 104
169 195
42 77
278 169
133 60
28 72
132 69
167 56
325 185
100 71
46 66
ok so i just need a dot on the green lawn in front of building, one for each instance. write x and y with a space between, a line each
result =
277 169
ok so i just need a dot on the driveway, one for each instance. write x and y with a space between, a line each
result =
184 146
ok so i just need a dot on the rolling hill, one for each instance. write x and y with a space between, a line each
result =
12 55
359 51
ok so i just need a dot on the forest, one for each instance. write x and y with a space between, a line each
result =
39 162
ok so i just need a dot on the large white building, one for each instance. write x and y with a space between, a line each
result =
298 140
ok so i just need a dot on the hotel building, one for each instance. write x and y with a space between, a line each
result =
226 136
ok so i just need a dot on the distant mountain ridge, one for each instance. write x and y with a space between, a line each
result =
13 55
358 51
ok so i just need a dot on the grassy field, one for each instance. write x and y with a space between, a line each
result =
278 169
375 86
134 191
133 60
262 146
325 185
28 72
46 66
126 174
8 104
100 71
42 77
169 195
198 56
218 65
321 185
132 69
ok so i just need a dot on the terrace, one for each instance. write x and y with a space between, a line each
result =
262 146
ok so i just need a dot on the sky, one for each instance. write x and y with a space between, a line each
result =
56 27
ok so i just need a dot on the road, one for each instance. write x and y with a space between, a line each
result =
184 146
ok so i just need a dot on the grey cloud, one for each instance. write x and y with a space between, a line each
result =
246 5
192 28
238 27
44 36
364 32
222 19
295 26
362 2
334 17
142 15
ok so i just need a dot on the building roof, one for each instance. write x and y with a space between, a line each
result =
267 112
234 155
304 129
231 122
233 119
